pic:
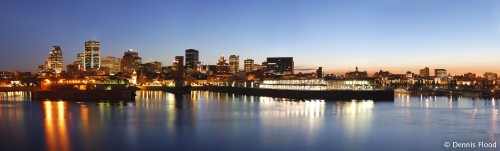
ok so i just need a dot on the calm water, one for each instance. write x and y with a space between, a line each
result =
218 121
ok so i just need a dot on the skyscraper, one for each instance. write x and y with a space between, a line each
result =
441 73
55 60
424 72
130 61
112 63
178 67
92 56
248 65
222 66
178 64
192 59
234 64
280 65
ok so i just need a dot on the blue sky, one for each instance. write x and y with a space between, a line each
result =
395 35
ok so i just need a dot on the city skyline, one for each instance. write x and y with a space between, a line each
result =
459 36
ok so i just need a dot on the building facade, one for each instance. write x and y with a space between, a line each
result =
280 65
92 61
178 67
234 64
178 64
441 73
490 76
222 66
80 61
249 65
425 72
192 59
470 75
112 63
55 60
130 61
356 74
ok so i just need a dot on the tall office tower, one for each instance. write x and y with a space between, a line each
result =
80 61
234 64
130 61
55 60
92 56
424 72
249 65
178 64
222 66
112 63
192 59
441 73
280 65
178 67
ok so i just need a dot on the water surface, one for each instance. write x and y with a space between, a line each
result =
219 121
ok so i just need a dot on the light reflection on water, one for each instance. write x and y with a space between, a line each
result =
220 121
56 131
15 96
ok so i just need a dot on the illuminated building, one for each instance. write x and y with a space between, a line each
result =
201 67
56 59
441 73
470 75
356 74
249 65
263 67
150 70
130 61
319 84
178 65
43 71
192 59
382 74
157 65
280 65
409 74
222 66
256 67
134 78
424 72
73 69
92 59
212 69
490 76
5 75
53 65
80 61
112 63
234 64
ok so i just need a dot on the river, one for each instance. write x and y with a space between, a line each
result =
217 121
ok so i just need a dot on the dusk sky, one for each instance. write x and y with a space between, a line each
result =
395 35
